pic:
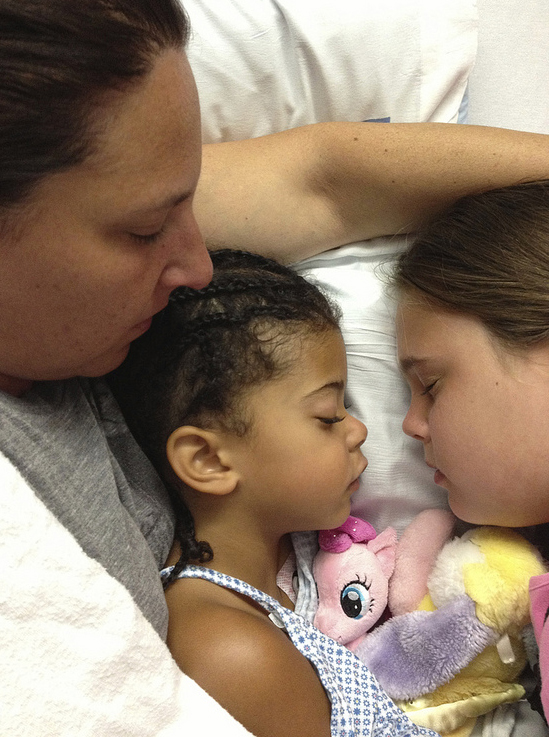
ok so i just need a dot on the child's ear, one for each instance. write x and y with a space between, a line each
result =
201 460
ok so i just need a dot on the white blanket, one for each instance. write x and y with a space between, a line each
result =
78 658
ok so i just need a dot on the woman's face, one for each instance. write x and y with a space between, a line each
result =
481 413
99 249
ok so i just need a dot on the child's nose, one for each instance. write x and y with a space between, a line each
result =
358 434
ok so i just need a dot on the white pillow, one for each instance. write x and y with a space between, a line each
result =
397 484
266 65
263 66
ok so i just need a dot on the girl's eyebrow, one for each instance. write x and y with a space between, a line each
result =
338 386
408 363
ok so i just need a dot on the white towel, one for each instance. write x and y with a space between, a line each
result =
78 658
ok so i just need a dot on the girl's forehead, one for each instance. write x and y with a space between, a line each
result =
424 331
429 337
420 317
417 318
312 356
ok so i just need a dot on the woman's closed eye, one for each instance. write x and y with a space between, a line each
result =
147 237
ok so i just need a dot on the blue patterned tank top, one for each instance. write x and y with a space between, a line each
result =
359 705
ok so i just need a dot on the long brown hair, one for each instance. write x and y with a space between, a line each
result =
488 257
56 59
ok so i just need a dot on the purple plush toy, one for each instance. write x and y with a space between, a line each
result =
452 649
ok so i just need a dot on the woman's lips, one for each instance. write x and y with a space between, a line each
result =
142 327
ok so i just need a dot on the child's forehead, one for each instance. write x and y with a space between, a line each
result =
320 361
309 359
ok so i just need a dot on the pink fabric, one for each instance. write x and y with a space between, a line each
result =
539 609
353 530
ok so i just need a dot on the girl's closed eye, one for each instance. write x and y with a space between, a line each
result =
429 388
330 420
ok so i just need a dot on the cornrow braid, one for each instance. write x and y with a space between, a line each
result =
192 549
204 350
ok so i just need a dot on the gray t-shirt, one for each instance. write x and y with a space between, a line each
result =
69 441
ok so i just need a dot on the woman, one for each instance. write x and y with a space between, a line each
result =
100 159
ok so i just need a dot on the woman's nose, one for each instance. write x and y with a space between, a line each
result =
189 263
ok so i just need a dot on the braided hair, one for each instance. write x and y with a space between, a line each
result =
203 351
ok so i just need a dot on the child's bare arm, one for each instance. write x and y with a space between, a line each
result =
252 669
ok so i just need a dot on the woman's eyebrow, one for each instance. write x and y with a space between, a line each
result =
166 204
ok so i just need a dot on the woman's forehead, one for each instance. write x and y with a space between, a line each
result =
147 157
152 121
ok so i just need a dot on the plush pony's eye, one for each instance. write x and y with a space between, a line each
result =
355 600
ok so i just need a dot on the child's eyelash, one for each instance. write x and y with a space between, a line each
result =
428 389
331 420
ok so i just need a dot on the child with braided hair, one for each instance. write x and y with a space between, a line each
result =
237 395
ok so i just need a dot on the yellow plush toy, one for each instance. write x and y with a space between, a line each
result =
459 653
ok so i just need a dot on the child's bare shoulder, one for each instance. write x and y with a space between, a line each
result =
208 619
250 666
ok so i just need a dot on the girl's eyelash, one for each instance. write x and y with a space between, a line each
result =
428 389
331 420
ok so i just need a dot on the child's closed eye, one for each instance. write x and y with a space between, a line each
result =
330 420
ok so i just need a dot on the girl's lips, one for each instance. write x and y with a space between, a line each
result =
354 486
440 478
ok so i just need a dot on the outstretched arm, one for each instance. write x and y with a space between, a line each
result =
308 189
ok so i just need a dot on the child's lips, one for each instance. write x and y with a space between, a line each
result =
354 485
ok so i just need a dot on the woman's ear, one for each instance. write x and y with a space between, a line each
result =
201 460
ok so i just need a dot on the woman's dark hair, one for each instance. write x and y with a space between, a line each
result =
205 350
488 257
57 57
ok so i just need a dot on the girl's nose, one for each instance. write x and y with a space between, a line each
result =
415 425
358 434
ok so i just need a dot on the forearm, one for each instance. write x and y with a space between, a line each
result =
302 191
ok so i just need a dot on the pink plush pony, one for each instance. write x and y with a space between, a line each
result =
352 571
